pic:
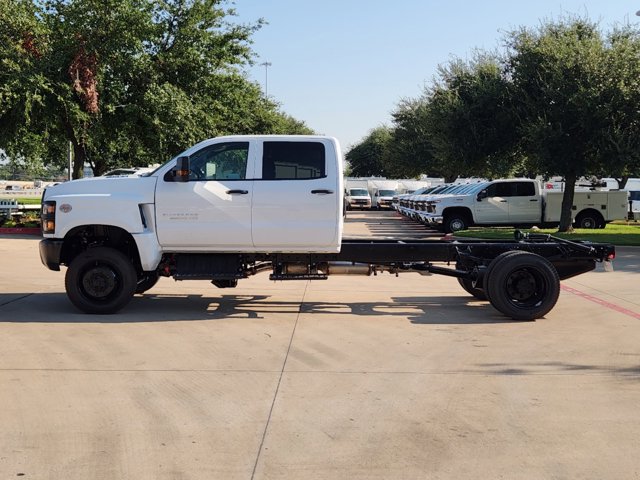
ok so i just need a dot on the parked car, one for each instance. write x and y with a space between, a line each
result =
127 172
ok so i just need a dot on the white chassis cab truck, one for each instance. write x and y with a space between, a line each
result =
231 207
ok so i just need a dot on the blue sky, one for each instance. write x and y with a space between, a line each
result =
342 66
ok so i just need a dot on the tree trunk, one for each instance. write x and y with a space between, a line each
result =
567 203
79 159
622 182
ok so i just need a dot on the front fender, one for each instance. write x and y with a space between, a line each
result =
97 209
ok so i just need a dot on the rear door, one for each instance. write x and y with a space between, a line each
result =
525 205
296 197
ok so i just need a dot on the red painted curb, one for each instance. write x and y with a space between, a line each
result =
20 231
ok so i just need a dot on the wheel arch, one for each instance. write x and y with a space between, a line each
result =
590 211
82 237
450 213
466 211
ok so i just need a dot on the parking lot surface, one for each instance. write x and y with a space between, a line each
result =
352 377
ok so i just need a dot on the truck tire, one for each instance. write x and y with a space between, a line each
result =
100 280
454 222
589 219
467 285
522 285
147 281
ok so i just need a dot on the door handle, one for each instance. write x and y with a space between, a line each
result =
533 200
240 192
503 201
321 192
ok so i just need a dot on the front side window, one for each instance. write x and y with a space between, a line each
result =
222 161
293 161
502 189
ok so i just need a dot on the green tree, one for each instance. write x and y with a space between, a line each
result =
470 122
618 141
126 81
461 125
557 71
368 158
410 152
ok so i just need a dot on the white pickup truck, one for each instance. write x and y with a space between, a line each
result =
518 202
231 207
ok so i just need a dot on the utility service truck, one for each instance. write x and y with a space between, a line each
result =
517 202
232 207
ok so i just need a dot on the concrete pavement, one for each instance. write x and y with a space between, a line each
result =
353 377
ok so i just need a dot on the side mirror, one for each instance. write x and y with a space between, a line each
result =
482 194
181 170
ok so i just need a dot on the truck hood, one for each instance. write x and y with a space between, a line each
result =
138 189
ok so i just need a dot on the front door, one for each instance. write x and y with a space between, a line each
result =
495 207
212 209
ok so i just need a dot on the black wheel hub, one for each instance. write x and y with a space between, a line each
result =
99 281
523 287
588 223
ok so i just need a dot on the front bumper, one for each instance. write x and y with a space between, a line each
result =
430 219
50 251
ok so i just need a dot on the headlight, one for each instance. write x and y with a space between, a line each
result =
48 217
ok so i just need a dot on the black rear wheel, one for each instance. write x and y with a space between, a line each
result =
590 219
468 286
100 280
522 285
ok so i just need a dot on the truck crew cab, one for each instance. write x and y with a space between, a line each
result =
231 207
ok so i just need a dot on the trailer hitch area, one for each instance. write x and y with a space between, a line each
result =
547 237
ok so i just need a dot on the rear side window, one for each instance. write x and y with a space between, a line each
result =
525 189
293 160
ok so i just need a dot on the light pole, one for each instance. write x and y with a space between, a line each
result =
266 66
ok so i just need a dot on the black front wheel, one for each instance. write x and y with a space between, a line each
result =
523 286
100 280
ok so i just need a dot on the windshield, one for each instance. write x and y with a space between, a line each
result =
359 192
386 193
